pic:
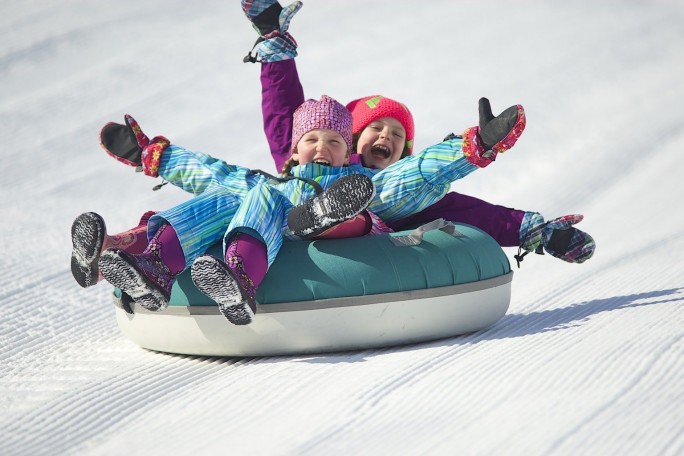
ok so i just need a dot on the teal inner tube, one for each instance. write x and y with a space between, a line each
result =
364 266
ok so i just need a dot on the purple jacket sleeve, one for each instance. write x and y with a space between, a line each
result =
501 223
281 94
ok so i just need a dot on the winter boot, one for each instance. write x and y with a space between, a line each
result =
344 199
359 225
133 240
271 21
557 237
494 135
89 239
149 276
232 285
129 145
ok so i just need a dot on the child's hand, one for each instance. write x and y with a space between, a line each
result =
268 17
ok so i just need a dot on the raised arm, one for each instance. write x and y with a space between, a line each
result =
281 94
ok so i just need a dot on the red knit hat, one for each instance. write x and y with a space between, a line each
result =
366 110
326 113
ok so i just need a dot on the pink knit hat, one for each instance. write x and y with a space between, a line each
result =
323 113
366 110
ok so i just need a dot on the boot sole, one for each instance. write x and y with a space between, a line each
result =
119 270
87 236
214 279
344 199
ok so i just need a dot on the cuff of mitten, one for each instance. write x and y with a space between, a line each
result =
151 155
473 150
277 48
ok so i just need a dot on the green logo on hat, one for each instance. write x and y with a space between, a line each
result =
373 102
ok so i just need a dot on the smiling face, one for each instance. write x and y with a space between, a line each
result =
382 142
322 146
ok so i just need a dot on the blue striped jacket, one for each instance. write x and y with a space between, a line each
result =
221 204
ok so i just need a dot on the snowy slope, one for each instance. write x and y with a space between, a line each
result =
588 359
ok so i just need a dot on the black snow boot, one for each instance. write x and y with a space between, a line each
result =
344 199
234 295
87 236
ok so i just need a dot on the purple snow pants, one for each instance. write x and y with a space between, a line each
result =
282 93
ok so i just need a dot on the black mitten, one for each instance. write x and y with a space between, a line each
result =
124 142
495 129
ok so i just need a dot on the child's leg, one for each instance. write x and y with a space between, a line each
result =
199 222
232 283
146 277
133 240
262 214
501 223
340 203
281 94
184 232
359 225
251 244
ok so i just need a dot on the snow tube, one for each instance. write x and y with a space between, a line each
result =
438 281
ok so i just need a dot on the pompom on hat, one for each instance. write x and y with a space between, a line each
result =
324 113
366 110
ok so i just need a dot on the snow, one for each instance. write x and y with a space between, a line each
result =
589 358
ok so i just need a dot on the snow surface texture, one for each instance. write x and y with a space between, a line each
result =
589 358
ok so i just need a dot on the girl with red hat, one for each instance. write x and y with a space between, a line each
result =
377 125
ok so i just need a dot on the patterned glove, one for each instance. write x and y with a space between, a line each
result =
566 242
267 16
557 237
271 21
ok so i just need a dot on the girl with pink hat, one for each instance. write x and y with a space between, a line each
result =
181 234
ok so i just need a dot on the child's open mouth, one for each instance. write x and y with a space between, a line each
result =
381 152
322 161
